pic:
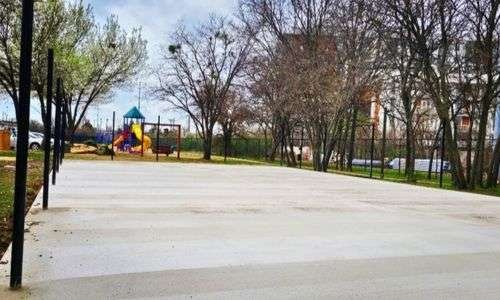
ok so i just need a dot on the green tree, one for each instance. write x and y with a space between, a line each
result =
92 60
58 25
107 58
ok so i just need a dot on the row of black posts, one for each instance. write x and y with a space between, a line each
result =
372 149
384 135
23 118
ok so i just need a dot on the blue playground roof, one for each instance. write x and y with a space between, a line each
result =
134 113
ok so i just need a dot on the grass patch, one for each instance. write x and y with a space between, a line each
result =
394 175
34 182
421 179
33 155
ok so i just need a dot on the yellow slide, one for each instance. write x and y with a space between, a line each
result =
136 130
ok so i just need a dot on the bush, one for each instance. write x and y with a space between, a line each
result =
103 150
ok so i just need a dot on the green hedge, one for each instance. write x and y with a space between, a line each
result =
240 147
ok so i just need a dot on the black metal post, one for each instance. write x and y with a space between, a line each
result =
113 138
23 119
372 149
179 141
158 138
63 129
57 132
399 156
224 141
384 135
48 125
301 146
442 155
247 148
282 143
259 149
142 138
365 153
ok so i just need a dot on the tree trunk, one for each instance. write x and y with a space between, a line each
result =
327 156
331 144
494 166
292 162
316 143
227 136
478 162
433 149
454 156
468 167
291 155
410 154
207 145
350 154
343 147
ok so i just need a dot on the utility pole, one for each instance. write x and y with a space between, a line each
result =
139 100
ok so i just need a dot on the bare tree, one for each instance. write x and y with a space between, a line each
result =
359 51
234 114
304 48
483 58
270 79
272 103
402 95
200 68
433 27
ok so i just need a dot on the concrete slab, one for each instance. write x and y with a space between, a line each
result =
148 230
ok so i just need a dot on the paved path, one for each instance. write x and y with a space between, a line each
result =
146 230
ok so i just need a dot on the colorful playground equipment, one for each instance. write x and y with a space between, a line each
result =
132 137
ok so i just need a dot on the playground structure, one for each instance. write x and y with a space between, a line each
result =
132 138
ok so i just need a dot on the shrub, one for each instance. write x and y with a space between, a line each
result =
103 150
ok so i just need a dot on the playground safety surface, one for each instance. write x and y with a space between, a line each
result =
160 230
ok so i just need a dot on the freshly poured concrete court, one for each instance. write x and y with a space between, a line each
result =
154 230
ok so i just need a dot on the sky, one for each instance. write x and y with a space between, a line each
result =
158 19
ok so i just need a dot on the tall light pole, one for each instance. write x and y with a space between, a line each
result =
139 100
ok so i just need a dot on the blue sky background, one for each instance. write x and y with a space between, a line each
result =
157 18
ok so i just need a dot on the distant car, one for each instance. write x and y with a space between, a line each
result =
35 141
421 164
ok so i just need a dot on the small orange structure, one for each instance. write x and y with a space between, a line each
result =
4 139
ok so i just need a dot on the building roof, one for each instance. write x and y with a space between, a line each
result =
134 113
